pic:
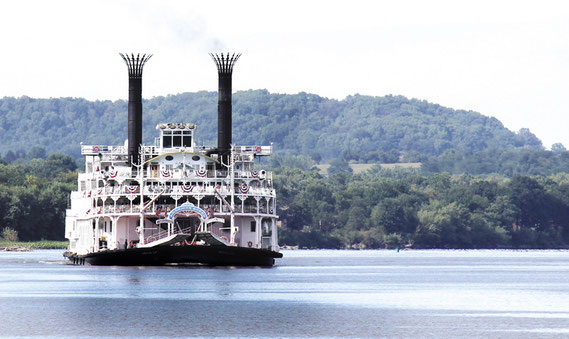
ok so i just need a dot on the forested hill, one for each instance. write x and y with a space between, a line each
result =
297 124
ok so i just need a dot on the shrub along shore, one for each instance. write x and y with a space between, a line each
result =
29 245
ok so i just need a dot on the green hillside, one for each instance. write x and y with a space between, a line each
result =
361 128
501 189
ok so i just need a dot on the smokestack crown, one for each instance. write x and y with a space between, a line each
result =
225 62
135 64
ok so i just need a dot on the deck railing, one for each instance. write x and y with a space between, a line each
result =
151 190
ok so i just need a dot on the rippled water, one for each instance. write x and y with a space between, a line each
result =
442 294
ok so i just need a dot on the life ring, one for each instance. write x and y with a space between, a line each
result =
95 148
258 149
250 244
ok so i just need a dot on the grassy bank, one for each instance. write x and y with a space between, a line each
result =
43 244
360 168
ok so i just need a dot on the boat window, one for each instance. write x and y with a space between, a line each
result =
187 141
167 141
253 226
177 141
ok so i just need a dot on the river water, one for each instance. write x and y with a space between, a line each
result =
406 294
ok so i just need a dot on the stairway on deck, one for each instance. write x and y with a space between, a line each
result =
172 239
211 239
207 237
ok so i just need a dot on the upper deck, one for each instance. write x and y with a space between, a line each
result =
173 138
174 156
120 153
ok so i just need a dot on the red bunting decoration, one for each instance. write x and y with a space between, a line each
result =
187 188
201 173
131 188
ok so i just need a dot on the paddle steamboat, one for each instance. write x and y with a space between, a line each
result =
174 202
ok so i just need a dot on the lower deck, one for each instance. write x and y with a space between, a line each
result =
119 232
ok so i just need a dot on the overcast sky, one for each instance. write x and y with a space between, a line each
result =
507 59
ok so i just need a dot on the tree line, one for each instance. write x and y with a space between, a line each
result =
376 209
34 195
505 162
398 208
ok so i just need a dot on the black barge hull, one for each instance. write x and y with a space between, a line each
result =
164 255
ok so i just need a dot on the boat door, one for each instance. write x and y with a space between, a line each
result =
154 170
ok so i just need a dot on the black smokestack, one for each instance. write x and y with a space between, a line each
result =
225 70
135 65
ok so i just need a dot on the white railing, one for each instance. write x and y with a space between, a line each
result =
155 149
164 233
258 150
176 190
103 149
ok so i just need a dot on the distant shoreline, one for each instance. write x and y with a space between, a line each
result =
22 246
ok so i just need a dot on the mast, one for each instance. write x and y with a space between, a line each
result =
231 164
139 170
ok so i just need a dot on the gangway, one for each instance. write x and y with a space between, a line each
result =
169 240
211 239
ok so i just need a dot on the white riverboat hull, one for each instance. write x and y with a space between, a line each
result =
181 255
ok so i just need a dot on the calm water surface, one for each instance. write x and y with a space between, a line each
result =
410 294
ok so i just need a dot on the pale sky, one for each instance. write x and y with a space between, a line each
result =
506 59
